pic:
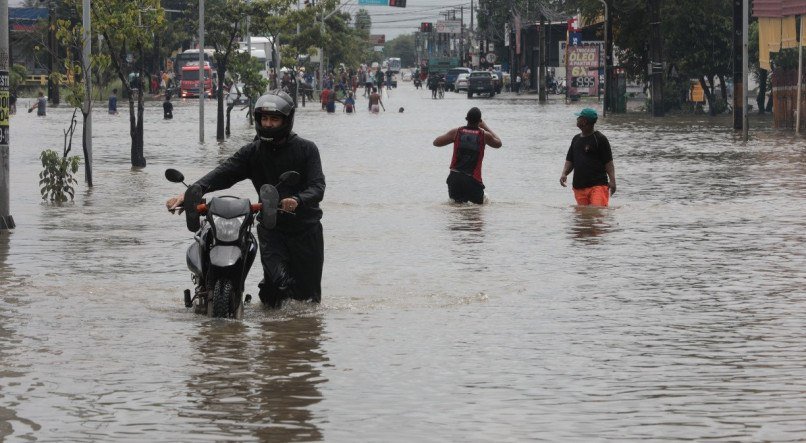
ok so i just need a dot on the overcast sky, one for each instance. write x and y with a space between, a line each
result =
395 21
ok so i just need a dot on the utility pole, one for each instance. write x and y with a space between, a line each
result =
541 88
6 221
655 57
737 64
746 70
462 39
53 86
608 47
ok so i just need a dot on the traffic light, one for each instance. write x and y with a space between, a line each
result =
426 26
397 3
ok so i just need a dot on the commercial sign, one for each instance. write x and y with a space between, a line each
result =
449 26
597 43
374 2
377 39
583 65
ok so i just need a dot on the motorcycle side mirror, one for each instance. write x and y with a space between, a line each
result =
290 178
174 176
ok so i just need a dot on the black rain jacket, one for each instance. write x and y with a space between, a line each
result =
263 163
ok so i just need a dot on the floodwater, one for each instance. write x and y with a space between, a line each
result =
676 314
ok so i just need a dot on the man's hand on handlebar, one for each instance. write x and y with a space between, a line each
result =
175 205
288 205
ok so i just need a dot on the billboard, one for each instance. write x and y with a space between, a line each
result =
377 39
583 66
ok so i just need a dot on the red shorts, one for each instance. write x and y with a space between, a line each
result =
595 195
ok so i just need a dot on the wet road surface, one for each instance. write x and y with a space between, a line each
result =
677 313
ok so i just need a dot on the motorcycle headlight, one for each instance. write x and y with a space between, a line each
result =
227 229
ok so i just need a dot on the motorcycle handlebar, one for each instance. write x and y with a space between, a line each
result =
201 208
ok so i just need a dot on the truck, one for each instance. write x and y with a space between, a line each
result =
189 83
480 82
262 49
191 56
393 63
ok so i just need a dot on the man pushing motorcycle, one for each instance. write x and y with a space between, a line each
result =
292 253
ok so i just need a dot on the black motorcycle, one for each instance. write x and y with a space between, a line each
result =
224 247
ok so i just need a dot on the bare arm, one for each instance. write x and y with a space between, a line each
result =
490 137
446 138
567 168
611 173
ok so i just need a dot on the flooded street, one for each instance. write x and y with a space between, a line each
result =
678 313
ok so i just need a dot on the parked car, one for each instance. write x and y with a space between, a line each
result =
461 82
481 82
405 75
452 75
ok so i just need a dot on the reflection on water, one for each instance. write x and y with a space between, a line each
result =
466 229
589 223
258 382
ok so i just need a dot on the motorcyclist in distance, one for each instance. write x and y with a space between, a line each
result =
292 253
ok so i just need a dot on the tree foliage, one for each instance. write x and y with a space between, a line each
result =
56 179
128 29
401 46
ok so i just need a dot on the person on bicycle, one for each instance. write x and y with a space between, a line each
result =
292 253
433 84
441 86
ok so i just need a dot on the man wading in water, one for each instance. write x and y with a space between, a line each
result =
464 180
591 160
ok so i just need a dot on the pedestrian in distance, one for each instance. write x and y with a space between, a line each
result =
292 253
40 105
325 97
591 159
349 103
113 102
330 106
375 102
167 108
464 181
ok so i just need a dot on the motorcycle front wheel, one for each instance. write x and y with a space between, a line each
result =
225 301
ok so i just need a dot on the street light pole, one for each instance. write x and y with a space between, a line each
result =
87 51
6 221
201 71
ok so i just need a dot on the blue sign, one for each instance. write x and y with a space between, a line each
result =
575 38
374 2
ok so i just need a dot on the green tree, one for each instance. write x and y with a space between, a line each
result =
128 28
401 46
225 25
246 69
17 76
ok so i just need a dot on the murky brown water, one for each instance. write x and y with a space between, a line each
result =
678 313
